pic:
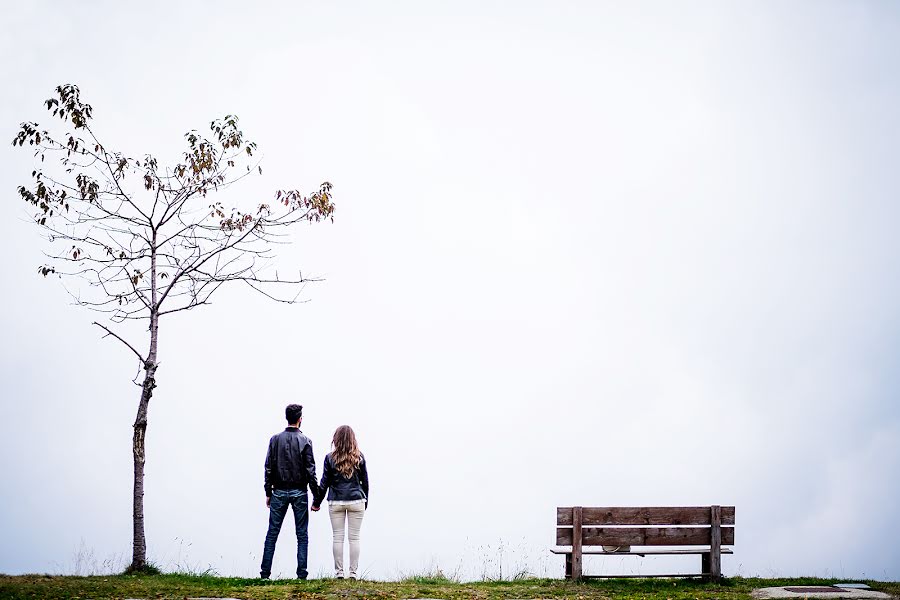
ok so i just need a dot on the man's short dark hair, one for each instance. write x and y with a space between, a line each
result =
293 412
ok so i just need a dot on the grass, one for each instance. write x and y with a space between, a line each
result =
148 569
177 586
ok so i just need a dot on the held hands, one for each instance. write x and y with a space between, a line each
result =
315 508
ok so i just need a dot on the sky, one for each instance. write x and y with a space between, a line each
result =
584 253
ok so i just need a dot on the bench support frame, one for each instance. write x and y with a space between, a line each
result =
715 547
710 561
576 543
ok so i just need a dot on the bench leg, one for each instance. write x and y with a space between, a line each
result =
576 543
715 549
569 566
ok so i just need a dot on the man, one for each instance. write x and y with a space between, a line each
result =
290 468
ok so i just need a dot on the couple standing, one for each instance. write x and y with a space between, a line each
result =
291 468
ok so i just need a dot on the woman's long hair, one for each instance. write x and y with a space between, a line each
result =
345 454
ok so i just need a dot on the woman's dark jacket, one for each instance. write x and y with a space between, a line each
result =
355 487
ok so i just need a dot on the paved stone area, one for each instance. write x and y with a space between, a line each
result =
818 591
858 586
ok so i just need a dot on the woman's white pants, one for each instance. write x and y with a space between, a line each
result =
347 517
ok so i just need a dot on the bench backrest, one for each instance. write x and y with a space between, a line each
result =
645 526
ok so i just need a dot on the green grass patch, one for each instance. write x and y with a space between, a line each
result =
175 586
148 569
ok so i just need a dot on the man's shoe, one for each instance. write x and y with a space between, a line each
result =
261 576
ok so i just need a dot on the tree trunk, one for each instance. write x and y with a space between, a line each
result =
139 557
139 549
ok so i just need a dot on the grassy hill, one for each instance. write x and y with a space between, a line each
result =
173 586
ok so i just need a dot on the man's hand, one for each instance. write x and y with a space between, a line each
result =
268 501
315 508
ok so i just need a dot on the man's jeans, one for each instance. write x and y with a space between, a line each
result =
278 507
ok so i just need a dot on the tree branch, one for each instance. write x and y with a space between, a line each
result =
115 335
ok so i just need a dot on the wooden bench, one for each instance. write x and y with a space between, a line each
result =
663 530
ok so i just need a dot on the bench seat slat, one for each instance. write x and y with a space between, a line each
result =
642 552
644 515
644 536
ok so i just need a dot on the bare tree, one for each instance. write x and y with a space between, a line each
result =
143 241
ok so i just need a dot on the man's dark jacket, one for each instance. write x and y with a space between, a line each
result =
290 464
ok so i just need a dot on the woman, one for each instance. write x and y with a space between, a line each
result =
347 482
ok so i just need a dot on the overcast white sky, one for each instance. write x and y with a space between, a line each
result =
584 253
